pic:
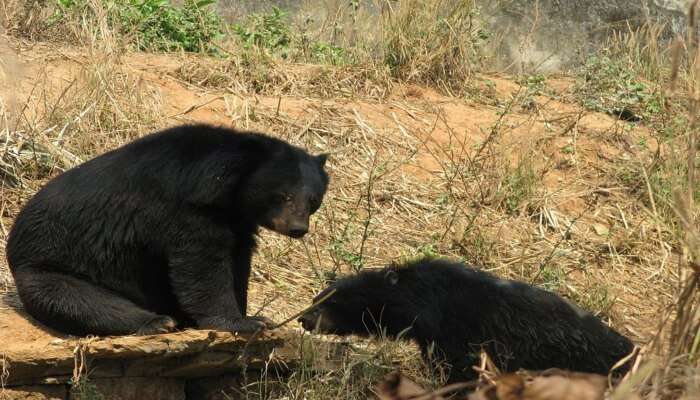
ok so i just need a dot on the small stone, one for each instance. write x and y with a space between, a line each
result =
601 229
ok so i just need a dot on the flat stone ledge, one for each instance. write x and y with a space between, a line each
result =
29 355
192 364
186 354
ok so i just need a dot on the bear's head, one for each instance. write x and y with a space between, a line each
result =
284 191
373 302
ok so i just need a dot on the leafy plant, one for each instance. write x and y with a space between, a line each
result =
266 31
519 185
69 3
596 299
155 24
162 26
610 86
327 53
551 278
534 85
338 249
84 389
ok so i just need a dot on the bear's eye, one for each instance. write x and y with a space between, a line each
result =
314 203
283 197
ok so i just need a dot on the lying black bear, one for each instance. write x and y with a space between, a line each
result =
160 230
459 310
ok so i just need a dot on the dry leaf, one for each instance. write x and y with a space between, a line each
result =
561 386
557 387
601 229
395 386
553 384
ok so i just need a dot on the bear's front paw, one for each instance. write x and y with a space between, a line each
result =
248 325
240 325
159 324
269 324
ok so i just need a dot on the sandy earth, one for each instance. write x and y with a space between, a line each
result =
437 125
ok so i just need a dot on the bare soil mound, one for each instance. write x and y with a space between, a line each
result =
528 184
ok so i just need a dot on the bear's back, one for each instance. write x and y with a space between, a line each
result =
122 185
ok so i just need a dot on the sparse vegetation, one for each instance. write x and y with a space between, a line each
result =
85 390
596 299
158 25
611 86
266 31
537 183
154 25
434 42
326 53
518 186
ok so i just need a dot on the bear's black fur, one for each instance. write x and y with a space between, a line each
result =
162 228
459 309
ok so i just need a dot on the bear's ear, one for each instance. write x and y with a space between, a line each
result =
391 277
321 159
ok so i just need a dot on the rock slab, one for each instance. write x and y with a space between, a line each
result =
37 364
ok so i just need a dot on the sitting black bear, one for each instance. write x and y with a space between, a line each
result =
461 310
159 233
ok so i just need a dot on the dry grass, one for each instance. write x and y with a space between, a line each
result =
529 186
433 42
36 21
678 364
256 73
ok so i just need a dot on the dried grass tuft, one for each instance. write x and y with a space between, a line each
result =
257 73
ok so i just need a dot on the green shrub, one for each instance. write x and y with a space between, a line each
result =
611 86
154 24
162 26
519 186
266 31
327 53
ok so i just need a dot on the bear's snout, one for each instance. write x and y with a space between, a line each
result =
298 229
309 320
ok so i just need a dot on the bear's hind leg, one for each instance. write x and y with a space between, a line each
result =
75 306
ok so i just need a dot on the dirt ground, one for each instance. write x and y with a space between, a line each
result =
420 136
